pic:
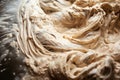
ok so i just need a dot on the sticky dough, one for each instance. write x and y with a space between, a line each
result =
71 39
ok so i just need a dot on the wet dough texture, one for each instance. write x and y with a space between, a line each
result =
70 39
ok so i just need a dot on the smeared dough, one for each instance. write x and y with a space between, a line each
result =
71 39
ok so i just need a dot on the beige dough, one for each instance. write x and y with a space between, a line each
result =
70 39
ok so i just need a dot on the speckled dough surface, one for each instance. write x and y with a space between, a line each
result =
71 40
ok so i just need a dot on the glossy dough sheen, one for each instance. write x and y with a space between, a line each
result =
70 39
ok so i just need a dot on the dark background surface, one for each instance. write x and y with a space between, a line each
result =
12 66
